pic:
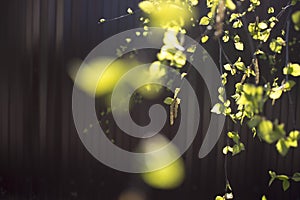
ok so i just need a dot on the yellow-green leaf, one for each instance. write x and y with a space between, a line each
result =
204 21
296 20
225 38
168 100
147 6
275 93
266 132
130 11
282 147
230 5
292 69
219 198
102 20
294 135
204 38
296 177
285 185
239 46
237 24
193 2
271 10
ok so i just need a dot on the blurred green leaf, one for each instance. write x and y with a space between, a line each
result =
296 20
296 177
282 147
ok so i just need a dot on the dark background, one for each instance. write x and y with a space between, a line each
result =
41 155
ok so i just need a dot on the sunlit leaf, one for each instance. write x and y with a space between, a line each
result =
204 21
288 85
276 44
225 38
130 11
239 46
194 2
237 24
102 20
204 38
292 69
294 135
219 198
230 5
218 108
275 93
262 25
227 67
271 10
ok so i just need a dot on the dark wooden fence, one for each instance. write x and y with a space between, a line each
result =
41 155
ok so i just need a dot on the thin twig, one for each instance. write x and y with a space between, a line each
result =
119 17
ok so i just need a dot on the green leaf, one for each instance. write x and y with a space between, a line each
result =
227 67
237 24
291 143
218 108
294 135
219 198
147 6
276 45
271 10
296 177
130 11
230 5
292 69
288 85
191 49
296 20
265 131
273 176
262 25
221 90
255 2
102 20
294 2
225 38
237 148
275 93
204 21
285 185
240 65
282 177
180 59
282 147
254 121
264 36
227 149
194 2
168 100
204 38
